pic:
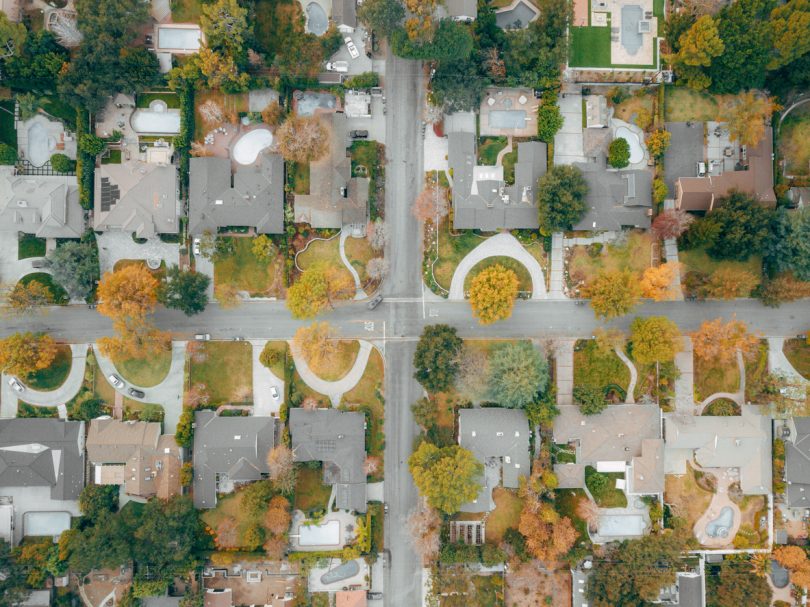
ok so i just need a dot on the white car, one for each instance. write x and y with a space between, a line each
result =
18 387
274 392
337 66
116 381
196 246
352 48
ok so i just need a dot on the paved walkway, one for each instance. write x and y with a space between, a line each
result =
685 384
501 245
114 246
334 389
584 241
168 393
264 405
568 142
564 372
504 151
720 500
630 399
556 288
345 233
671 255
738 396
779 364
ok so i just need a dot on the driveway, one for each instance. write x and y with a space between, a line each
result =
436 150
11 268
363 62
68 389
684 152
568 144
375 124
264 405
114 246
564 372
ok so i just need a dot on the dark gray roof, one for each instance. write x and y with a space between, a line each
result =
462 9
252 196
43 453
47 206
797 463
616 199
481 199
344 12
232 447
684 152
338 439
690 591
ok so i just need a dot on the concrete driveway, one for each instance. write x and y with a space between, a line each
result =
363 62
264 405
114 246
568 143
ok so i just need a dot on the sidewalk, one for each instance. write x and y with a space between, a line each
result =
564 372
556 290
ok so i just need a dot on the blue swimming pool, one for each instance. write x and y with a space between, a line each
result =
720 526
631 36
341 572
507 119
518 17
316 19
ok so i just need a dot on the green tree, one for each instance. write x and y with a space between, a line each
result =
186 291
777 253
799 243
8 155
561 197
184 434
446 477
74 265
533 55
549 121
87 408
363 81
451 41
12 34
518 373
436 357
590 399
91 144
655 338
619 153
13 589
97 500
225 25
381 16
425 413
457 86
62 164
790 23
613 293
742 227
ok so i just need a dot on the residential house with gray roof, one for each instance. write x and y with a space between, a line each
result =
499 440
136 197
797 463
229 452
247 196
46 206
338 439
482 200
344 14
335 198
462 10
616 199
741 441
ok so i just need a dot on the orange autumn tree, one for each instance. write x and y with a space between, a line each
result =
656 282
25 353
794 558
718 341
492 294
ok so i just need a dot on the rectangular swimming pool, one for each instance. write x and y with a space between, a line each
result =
620 525
178 38
327 534
45 523
507 119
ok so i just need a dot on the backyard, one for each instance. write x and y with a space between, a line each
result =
794 141
797 352
54 375
505 516
683 104
298 175
529 585
8 134
590 47
29 245
711 377
635 105
277 23
524 278
685 497
489 148
585 263
231 104
367 396
247 272
186 11
593 368
310 492
145 372
172 100
602 486
225 368
231 520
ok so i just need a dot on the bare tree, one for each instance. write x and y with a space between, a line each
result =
378 233
431 203
588 512
200 150
197 395
472 380
671 223
371 465
281 467
377 268
303 139
310 403
424 525
212 113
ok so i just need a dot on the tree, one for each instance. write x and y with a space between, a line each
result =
8 155
660 191
457 86
655 339
549 121
436 357
450 41
446 477
281 468
789 25
548 535
739 587
561 197
613 293
590 399
74 265
186 291
303 139
377 268
699 44
658 142
656 282
316 288
742 227
277 518
26 297
378 233
97 500
790 557
91 144
518 372
729 282
799 244
671 223
425 524
130 292
424 413
24 353
492 294
317 344
62 164
746 115
431 203
381 16
225 25
619 153
263 248
273 114
227 296
12 34
718 342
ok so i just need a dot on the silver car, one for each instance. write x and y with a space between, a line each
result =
18 387
274 392
116 381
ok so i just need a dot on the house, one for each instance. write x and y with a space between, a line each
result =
616 199
344 14
688 590
137 197
623 438
338 439
731 167
41 474
135 455
335 198
250 196
462 10
43 205
741 441
228 452
797 462
499 440
481 198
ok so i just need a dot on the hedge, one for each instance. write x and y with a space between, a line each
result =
182 142
85 164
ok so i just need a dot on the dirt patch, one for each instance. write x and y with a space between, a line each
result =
686 498
529 585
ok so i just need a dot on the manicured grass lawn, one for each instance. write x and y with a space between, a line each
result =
144 99
609 496
634 255
337 365
506 514
524 278
55 375
359 253
259 277
698 260
594 369
279 366
712 377
145 372
684 104
798 353
590 47
226 370
111 157
186 11
299 176
687 499
8 134
488 149
368 396
326 252
30 246
452 250
632 106
794 142
508 161
367 154
310 492
60 296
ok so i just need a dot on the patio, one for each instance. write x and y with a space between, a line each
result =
336 529
509 112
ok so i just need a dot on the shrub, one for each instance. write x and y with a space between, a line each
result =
8 155
619 153
62 164
549 121
660 190
591 400
91 144
363 81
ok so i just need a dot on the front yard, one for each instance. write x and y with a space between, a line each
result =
635 254
247 272
794 141
596 369
145 372
55 375
368 396
756 372
523 276
60 296
797 352
226 370
697 267
327 253
359 253
452 249
711 377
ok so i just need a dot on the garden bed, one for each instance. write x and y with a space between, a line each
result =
586 263
60 296
595 369
523 276
227 371
30 246
602 486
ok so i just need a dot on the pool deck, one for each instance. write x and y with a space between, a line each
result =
506 99
725 477
619 55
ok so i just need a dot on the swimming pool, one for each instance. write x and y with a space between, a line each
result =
720 526
308 102
157 120
507 119
636 151
249 145
45 523
316 19
521 13
183 38
621 525
631 37
342 572
327 534
40 144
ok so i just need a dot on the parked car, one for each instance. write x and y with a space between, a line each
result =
274 392
136 393
116 381
352 48
362 134
374 302
196 246
239 338
376 91
40 263
337 66
18 387
701 169
202 336
374 595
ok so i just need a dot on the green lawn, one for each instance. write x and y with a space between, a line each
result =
326 252
711 378
53 376
604 491
684 104
111 157
506 514
794 142
310 492
524 278
590 47
452 250
299 177
259 277
226 371
145 372
30 246
698 260
366 154
595 369
8 134
798 353
508 161
60 296
359 253
367 396
144 99
489 148
186 11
